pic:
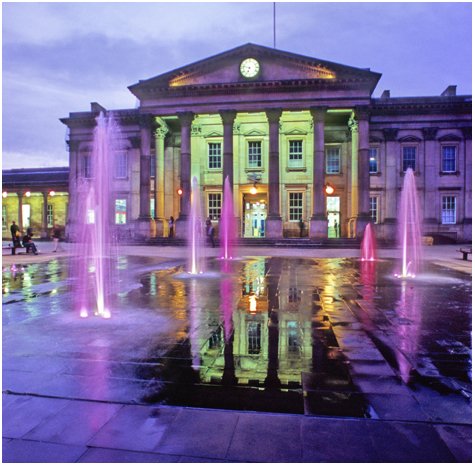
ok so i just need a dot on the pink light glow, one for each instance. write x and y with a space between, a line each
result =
227 228
368 245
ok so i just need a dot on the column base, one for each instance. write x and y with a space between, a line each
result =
361 222
318 227
159 227
274 227
181 227
144 228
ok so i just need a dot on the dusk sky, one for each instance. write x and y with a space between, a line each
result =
59 57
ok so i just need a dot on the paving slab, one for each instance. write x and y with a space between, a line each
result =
107 455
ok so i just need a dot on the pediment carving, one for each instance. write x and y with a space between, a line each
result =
410 139
449 137
213 134
254 132
295 132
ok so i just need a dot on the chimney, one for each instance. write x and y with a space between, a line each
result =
386 94
97 108
450 91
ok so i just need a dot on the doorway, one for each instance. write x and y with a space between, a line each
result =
333 216
255 214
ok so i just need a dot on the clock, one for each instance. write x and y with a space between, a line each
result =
249 68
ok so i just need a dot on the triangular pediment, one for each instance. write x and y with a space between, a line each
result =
275 66
254 132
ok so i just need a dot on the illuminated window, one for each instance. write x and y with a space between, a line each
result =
214 155
121 165
152 208
449 210
49 215
120 211
293 339
90 217
4 217
373 160
214 206
254 338
409 158
87 166
296 153
254 152
448 159
295 206
373 209
333 160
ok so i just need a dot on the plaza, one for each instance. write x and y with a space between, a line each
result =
161 381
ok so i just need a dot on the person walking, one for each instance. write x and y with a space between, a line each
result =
14 229
56 235
171 227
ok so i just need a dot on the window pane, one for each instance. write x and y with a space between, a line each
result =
254 154
120 211
214 206
373 208
448 210
254 338
121 165
373 160
214 155
49 215
409 158
295 206
448 159
333 160
152 208
296 153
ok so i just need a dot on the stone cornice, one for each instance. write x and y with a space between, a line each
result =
421 106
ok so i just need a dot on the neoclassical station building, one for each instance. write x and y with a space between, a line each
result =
299 138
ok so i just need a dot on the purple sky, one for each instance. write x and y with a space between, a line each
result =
59 57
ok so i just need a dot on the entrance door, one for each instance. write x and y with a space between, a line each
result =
26 215
255 214
333 216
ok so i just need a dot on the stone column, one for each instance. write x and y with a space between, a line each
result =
186 119
431 159
160 134
44 223
318 221
228 117
74 174
274 219
362 115
391 192
144 222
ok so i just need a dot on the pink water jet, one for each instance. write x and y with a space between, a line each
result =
227 229
410 236
195 232
92 259
368 245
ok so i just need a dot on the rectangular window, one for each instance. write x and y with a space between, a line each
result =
254 152
49 215
254 338
120 211
121 165
87 166
296 153
4 217
152 208
449 210
214 206
153 166
373 160
293 339
333 160
373 209
409 158
295 206
214 155
448 159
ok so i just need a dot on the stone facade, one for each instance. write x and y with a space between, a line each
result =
283 135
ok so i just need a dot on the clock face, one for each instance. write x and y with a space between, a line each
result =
249 68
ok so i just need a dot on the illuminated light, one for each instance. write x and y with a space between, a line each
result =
4 194
83 313
179 191
253 189
252 304
52 193
329 189
28 194
54 291
106 314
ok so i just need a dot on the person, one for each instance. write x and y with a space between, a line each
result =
302 226
210 231
335 225
171 227
56 235
29 245
29 231
14 229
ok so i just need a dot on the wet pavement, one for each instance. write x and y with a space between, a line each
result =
297 350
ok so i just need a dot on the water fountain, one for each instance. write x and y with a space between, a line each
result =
92 258
195 232
410 228
368 245
227 229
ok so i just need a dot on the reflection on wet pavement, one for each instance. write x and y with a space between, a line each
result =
329 336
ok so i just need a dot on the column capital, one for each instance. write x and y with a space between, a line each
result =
467 132
429 134
146 121
362 112
73 145
186 118
227 116
273 114
161 128
318 113
390 134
